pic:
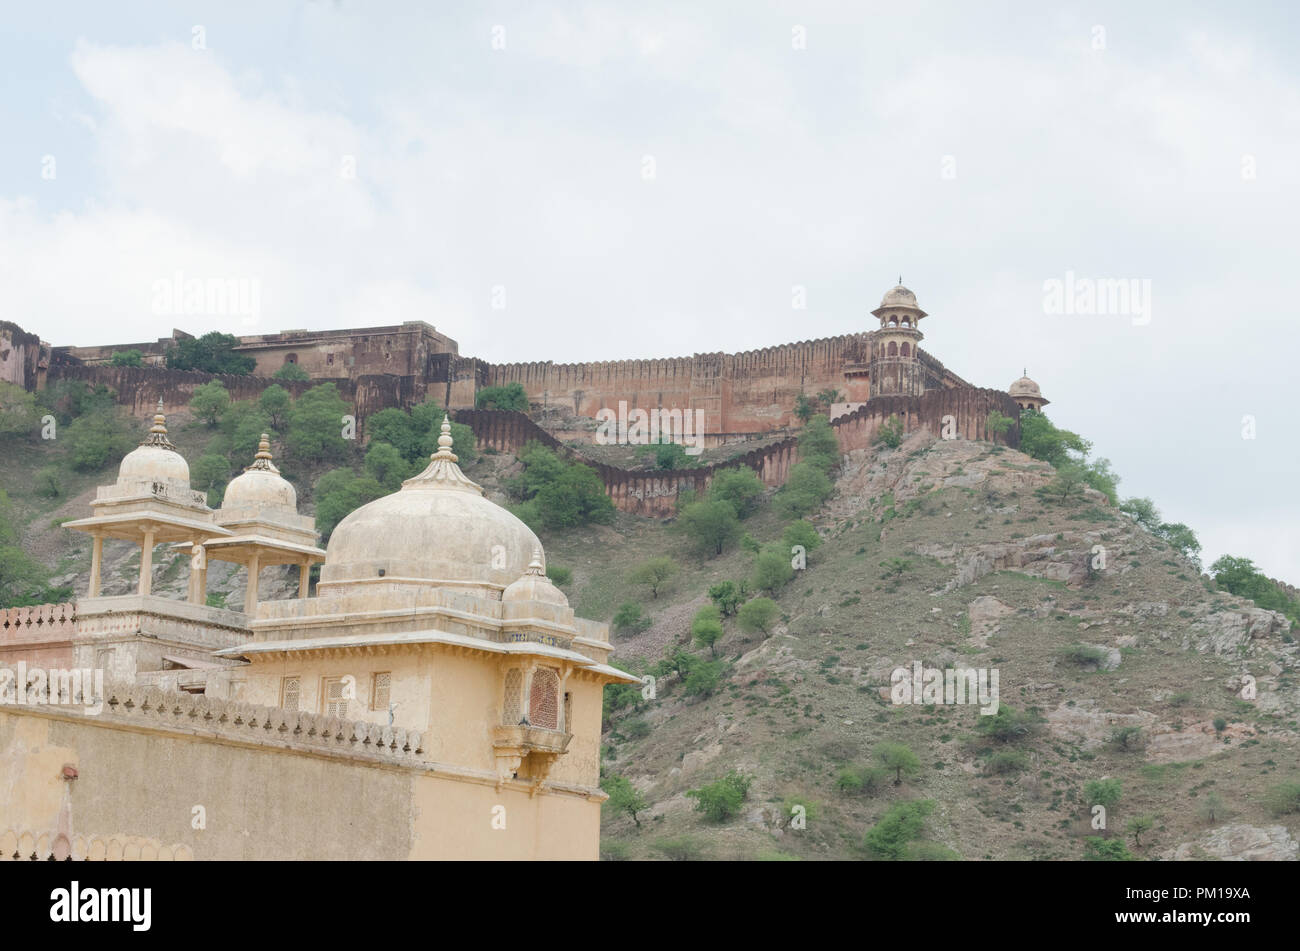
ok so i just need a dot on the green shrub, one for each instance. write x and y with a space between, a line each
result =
209 402
292 373
805 491
772 571
629 619
1283 799
757 616
902 822
741 487
126 358
558 575
712 525
212 353
654 573
682 848
508 397
890 433
723 799
1097 849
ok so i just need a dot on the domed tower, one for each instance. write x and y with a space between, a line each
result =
260 509
150 504
1027 394
896 369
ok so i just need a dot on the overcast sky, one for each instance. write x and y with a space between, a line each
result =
580 181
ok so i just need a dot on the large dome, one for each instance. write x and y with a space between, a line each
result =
898 296
437 528
155 459
261 484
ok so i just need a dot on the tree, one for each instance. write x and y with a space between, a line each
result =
316 425
292 373
96 439
1283 799
805 490
508 397
1101 477
1142 511
890 433
1182 538
899 758
655 573
126 358
629 619
757 615
711 524
23 580
1007 725
577 497
338 493
47 483
250 424
818 444
1137 826
741 487
801 533
721 800
210 473
727 596
386 466
1067 485
804 408
827 398
623 797
1239 576
18 413
1042 440
275 403
682 848
997 424
559 575
1102 792
706 629
902 822
772 570
703 678
212 353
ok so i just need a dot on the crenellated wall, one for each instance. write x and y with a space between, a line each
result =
654 493
41 635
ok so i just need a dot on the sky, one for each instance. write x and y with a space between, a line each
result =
578 181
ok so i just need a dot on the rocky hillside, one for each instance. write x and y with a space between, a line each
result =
981 572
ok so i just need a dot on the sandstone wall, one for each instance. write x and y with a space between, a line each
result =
24 358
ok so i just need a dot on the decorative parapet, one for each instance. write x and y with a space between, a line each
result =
156 709
18 845
41 622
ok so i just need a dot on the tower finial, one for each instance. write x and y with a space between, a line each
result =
900 279
535 566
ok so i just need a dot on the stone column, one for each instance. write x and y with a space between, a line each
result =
146 563
198 575
96 560
304 578
250 599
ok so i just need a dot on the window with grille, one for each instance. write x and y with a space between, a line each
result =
380 691
512 712
543 701
290 690
333 703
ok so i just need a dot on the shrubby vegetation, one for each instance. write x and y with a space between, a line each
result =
510 397
1067 452
1239 576
23 580
212 353
556 493
723 799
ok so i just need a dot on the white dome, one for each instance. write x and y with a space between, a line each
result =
437 527
898 296
533 585
155 459
261 484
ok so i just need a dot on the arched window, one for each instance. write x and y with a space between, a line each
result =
291 358
544 699
893 349
893 321
905 350
907 321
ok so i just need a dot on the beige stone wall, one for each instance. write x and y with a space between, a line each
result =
264 801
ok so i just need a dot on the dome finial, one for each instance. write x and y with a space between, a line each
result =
535 566
157 435
263 458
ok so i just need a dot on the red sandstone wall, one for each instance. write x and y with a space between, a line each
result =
40 635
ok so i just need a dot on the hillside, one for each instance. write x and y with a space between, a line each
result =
996 578
936 552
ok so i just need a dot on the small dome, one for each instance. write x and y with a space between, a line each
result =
1025 387
155 458
261 484
533 585
437 527
898 296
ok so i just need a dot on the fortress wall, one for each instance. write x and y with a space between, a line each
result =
23 357
654 493
139 388
41 635
751 391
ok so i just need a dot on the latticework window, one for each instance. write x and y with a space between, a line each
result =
544 701
290 690
333 702
379 692
513 709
